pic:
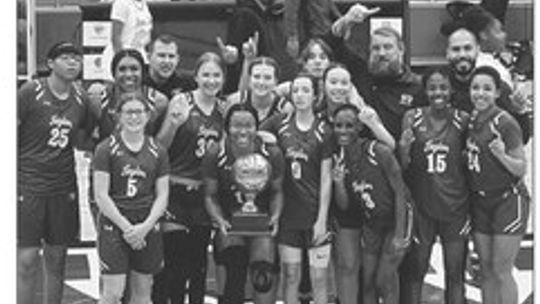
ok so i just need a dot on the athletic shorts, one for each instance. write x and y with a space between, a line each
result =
376 241
186 206
300 238
117 257
50 218
426 228
505 213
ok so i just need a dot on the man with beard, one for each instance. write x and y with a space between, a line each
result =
162 74
394 86
462 53
387 84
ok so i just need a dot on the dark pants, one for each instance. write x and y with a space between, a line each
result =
185 255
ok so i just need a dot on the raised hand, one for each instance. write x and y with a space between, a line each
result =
358 13
368 116
178 110
228 52
407 138
250 47
497 146
339 171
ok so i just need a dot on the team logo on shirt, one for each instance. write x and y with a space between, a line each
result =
59 132
406 100
364 190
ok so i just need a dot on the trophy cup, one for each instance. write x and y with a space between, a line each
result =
251 174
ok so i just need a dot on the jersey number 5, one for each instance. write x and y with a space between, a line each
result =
59 137
131 190
436 163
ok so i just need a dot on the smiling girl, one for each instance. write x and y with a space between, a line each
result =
431 149
192 123
131 189
499 200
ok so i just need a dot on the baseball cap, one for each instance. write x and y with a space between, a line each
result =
63 48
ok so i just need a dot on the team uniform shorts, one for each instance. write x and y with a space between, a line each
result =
375 241
117 257
505 212
53 219
426 228
319 254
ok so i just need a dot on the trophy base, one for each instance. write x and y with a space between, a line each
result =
250 224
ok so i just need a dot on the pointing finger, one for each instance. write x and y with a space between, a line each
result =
220 43
373 11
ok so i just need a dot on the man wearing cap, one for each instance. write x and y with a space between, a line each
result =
53 116
162 74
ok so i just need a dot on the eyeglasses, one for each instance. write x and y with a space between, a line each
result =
134 112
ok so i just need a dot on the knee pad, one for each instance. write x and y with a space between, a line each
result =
262 275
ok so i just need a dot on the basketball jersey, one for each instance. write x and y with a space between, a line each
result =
277 106
46 133
192 140
486 172
108 121
436 174
133 175
218 164
303 152
367 183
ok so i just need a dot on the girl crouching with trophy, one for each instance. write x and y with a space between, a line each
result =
243 196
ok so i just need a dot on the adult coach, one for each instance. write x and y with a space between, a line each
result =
385 81
162 72
50 113
462 54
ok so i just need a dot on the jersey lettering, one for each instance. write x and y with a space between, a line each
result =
59 134
205 137
436 156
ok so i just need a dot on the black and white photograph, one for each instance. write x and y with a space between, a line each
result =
271 152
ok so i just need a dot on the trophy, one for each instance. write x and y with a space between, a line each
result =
251 174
